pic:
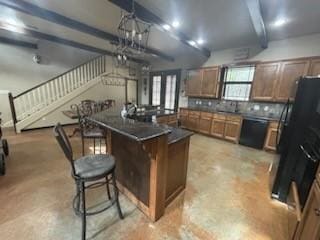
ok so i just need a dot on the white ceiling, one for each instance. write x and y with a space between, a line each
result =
221 23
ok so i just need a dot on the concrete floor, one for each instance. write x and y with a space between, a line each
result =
227 197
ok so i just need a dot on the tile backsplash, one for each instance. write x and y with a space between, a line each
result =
269 110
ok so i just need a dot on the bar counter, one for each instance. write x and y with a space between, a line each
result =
151 160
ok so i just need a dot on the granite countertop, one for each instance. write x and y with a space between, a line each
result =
133 129
139 131
244 115
158 113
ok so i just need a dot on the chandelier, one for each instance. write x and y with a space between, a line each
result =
133 32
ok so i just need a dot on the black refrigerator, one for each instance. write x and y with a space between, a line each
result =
299 142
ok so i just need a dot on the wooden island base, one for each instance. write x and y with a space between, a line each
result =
151 173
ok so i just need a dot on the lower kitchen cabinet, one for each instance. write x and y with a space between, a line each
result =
232 131
218 127
205 122
309 227
271 139
193 120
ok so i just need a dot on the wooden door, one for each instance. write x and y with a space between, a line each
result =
265 78
232 131
218 127
205 123
193 85
210 82
309 227
271 138
290 73
315 67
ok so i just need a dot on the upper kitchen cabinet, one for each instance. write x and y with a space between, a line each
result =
265 80
315 67
210 82
193 86
290 73
203 82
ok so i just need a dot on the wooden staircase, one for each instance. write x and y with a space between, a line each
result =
31 105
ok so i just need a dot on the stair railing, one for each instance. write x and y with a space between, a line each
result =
43 94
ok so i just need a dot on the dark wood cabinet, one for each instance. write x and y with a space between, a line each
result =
205 122
265 80
210 82
193 85
315 67
309 227
203 82
290 73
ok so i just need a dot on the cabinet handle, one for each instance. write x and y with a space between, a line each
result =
317 212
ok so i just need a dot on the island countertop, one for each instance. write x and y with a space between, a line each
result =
136 130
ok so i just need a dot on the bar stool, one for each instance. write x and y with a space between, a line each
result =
87 129
89 169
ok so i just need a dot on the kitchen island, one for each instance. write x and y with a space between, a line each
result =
151 160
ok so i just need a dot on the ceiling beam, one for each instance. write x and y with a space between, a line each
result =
33 10
63 41
18 43
150 17
257 20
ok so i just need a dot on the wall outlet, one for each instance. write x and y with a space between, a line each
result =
266 108
256 107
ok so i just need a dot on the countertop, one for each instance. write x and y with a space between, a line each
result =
158 113
139 131
244 115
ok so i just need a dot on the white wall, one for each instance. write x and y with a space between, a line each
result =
304 46
18 72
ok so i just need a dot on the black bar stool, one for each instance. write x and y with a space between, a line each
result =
89 169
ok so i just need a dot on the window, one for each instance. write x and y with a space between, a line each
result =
237 83
170 91
156 90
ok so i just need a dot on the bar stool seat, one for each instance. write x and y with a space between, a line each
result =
94 167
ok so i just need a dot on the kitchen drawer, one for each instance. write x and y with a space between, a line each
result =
219 116
206 115
162 120
234 118
194 113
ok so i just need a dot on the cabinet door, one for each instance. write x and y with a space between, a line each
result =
309 227
264 82
290 73
210 82
184 121
193 122
217 128
315 67
193 87
232 131
205 125
271 139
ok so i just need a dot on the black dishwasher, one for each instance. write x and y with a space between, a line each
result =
253 132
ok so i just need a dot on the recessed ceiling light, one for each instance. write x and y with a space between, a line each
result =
200 41
192 43
280 22
166 27
175 23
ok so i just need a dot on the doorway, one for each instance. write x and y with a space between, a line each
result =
164 89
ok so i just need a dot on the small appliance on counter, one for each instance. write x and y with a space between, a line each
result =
4 152
299 143
128 110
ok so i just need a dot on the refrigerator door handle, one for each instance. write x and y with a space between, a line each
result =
308 155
